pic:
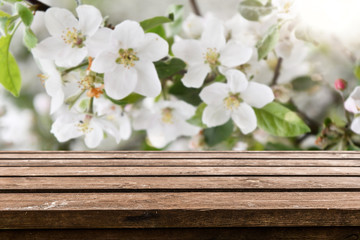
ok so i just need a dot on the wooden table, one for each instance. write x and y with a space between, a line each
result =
180 195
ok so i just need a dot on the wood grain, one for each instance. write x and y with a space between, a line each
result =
325 233
178 171
153 184
180 195
171 162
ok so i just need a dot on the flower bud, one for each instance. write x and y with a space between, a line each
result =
340 84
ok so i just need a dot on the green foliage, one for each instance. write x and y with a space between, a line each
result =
268 42
303 83
280 121
218 134
169 68
30 40
189 95
132 98
10 76
24 13
357 72
177 11
151 23
197 118
252 10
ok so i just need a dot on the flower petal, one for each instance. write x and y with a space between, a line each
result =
245 118
127 34
235 54
148 83
109 127
125 127
160 135
153 48
214 34
355 125
237 80
57 20
89 19
121 82
188 129
257 95
195 76
184 109
71 57
190 51
352 104
215 115
56 101
64 128
49 48
95 136
215 93
104 62
99 42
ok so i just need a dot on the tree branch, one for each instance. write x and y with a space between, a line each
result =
277 72
195 7
39 6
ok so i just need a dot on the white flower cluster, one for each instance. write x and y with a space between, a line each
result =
90 70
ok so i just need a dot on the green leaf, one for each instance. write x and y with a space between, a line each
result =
4 14
25 14
189 95
280 121
10 76
169 68
303 83
30 39
11 1
252 10
197 118
177 12
159 30
154 22
218 134
268 42
357 72
132 98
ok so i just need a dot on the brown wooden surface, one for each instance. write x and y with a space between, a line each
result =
192 195
326 233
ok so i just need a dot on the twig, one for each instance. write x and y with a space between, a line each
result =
39 6
277 72
195 7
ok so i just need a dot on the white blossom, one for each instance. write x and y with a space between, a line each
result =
207 54
165 121
68 42
234 100
69 125
127 62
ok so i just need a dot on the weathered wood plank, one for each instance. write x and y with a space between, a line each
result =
62 219
178 171
63 184
171 162
182 155
325 233
166 201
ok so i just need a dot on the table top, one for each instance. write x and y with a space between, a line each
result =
178 189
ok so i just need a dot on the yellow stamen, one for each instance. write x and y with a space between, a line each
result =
232 102
127 57
212 57
83 126
167 116
73 37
